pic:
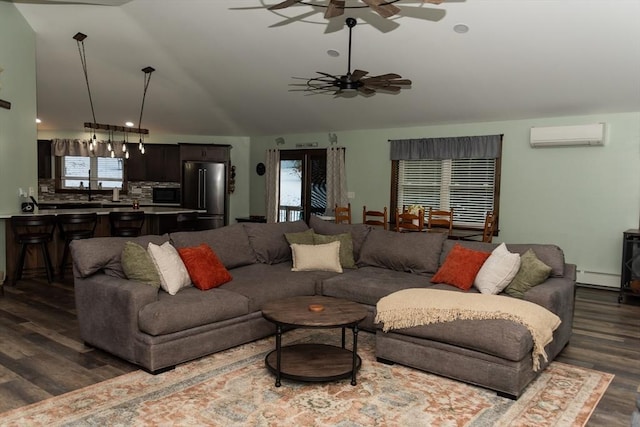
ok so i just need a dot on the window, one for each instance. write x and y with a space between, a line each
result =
106 172
469 186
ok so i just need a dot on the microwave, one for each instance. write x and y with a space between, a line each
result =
166 195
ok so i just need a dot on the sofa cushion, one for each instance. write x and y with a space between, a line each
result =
502 338
532 272
190 308
461 267
368 284
173 274
104 253
551 255
324 257
411 252
358 232
230 243
138 265
204 267
497 271
268 241
263 282
346 246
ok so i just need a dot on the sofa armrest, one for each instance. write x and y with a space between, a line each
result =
107 309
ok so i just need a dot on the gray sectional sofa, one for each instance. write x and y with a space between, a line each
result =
157 331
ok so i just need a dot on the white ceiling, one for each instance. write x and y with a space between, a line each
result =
224 67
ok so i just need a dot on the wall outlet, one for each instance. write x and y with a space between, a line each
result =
21 193
351 195
31 192
44 189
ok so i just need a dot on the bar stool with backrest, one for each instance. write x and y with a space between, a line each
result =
126 224
33 230
489 227
375 218
343 214
75 227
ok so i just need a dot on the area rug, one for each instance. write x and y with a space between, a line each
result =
233 388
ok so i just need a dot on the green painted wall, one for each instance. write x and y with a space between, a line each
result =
18 148
580 198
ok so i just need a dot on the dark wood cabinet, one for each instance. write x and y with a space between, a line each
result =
205 152
630 274
44 159
160 163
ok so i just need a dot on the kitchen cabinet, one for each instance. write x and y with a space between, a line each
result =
160 163
205 152
44 159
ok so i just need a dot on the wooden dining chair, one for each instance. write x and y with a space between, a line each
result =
440 221
343 214
489 227
406 221
375 218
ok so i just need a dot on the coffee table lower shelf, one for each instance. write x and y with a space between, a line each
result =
313 362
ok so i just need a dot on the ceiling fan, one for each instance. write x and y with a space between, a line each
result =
351 84
384 8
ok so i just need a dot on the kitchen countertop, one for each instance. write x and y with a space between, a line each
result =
149 210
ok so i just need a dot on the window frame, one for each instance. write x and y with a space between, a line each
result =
59 165
393 203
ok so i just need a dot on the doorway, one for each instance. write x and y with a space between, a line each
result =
303 184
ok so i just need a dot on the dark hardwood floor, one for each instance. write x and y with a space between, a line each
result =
41 354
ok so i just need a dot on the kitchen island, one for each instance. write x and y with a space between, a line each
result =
158 220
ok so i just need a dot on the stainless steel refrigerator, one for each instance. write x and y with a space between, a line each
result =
204 187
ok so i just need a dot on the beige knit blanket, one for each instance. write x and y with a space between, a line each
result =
416 307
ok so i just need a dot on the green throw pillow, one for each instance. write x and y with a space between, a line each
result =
137 265
532 272
301 238
346 247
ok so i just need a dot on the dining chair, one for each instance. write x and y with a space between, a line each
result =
33 230
343 214
375 218
406 221
489 227
75 227
440 221
127 224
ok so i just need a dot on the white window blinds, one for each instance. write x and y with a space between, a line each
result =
466 185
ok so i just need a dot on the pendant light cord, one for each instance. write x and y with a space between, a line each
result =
83 59
147 79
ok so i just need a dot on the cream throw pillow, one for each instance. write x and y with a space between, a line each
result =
173 274
497 271
324 257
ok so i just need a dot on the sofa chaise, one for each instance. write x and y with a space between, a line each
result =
155 330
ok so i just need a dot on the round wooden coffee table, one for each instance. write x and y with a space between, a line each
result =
314 362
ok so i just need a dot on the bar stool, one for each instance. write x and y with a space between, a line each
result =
75 227
126 224
33 230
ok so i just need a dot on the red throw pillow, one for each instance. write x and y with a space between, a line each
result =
460 267
204 267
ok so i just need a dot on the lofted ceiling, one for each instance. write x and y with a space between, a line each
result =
225 67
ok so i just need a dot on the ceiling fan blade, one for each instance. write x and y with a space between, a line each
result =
388 76
335 8
402 82
383 8
283 5
365 90
331 76
358 74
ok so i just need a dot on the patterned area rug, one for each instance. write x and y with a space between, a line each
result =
233 388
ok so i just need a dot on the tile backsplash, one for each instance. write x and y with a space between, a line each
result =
140 190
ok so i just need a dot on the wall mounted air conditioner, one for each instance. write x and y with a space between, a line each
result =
565 136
